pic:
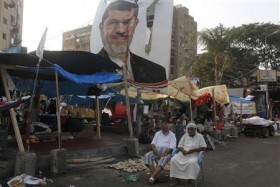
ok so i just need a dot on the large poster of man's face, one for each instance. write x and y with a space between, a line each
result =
135 34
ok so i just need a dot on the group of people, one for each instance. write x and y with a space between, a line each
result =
183 165
117 27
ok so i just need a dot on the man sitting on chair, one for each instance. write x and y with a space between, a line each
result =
162 145
184 164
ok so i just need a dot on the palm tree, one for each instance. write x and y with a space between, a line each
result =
217 42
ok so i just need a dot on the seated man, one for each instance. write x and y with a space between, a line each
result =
162 145
184 164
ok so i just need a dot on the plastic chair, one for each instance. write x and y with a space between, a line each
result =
199 161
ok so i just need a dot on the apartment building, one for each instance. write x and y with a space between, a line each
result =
11 19
77 40
184 42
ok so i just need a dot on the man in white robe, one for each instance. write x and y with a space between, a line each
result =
184 164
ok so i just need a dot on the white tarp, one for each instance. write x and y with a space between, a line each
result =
256 120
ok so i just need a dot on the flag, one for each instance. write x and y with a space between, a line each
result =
159 87
40 49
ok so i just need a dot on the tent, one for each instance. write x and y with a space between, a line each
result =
180 89
74 62
220 93
77 66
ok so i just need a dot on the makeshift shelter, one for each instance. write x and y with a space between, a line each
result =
180 89
219 92
77 66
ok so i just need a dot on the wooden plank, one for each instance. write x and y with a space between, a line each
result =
98 118
12 111
58 112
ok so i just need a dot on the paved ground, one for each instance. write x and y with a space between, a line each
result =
248 162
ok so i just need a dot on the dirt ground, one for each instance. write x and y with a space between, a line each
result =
246 162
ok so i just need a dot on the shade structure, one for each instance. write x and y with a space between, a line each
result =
220 92
181 89
146 95
182 84
77 66
75 62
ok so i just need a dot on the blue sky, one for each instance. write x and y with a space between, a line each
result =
63 15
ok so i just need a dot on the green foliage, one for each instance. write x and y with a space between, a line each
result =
235 53
204 68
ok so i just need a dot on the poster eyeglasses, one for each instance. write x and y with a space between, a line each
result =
114 23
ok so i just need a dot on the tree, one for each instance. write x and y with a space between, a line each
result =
252 37
236 53
217 42
204 69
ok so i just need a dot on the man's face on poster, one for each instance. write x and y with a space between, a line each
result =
117 31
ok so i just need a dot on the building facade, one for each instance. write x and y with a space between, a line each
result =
184 42
77 40
11 19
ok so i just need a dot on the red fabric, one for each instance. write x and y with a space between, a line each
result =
219 126
203 99
120 110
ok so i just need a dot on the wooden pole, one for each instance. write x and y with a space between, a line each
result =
58 111
214 107
139 112
191 112
98 117
241 111
128 113
12 111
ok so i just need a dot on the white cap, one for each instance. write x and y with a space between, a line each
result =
191 125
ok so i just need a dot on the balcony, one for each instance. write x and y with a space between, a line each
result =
15 29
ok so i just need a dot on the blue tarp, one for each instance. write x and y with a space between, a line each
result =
98 78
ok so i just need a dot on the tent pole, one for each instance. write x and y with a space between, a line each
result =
98 117
12 111
241 111
139 112
128 113
214 107
58 111
191 112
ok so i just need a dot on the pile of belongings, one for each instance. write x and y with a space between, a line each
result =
23 180
130 166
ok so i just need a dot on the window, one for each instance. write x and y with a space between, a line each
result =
5 21
13 21
4 36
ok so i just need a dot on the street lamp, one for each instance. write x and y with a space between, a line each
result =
266 68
